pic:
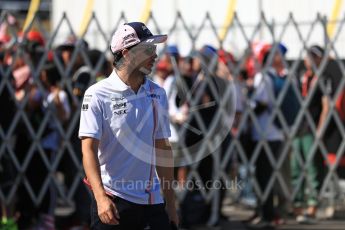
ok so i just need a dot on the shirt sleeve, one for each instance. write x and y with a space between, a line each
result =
65 103
261 89
90 116
162 111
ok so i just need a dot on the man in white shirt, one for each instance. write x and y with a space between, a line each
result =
124 127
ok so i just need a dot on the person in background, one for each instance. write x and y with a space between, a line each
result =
207 92
166 76
98 69
81 80
305 202
56 103
263 103
20 56
66 50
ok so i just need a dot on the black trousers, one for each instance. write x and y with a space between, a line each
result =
264 171
133 216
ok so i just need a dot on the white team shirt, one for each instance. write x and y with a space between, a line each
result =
125 125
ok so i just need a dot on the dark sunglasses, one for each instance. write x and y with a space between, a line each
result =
148 50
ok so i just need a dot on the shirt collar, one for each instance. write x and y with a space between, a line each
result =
146 84
273 71
121 86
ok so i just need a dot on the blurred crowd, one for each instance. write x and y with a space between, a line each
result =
286 116
215 100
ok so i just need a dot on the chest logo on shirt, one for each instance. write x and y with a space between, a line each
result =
87 98
118 98
120 108
119 105
85 107
153 95
120 112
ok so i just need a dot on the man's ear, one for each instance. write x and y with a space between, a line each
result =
125 53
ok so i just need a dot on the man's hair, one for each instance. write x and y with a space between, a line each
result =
95 55
53 75
118 57
118 60
316 51
207 55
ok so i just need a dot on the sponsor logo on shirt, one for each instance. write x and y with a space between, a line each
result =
85 107
87 98
117 98
153 95
119 105
120 112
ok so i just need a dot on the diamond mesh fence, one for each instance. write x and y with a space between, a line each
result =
286 134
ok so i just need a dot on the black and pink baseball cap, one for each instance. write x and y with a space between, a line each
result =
132 33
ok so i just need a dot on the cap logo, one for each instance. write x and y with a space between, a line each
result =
144 28
129 41
128 38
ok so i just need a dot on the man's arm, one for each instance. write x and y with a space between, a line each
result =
165 170
106 208
324 112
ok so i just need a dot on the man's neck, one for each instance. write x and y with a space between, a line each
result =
134 79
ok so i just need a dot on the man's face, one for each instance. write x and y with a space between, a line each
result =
196 65
310 59
144 57
66 56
